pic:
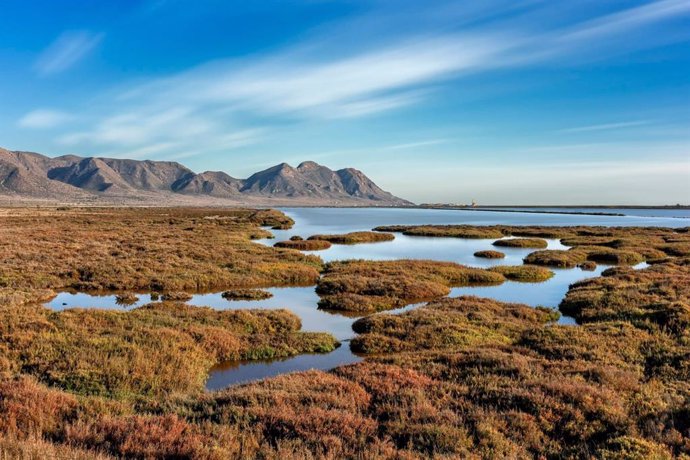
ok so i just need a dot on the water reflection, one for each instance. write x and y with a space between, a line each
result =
458 250
66 300
303 300
234 372
310 221
300 300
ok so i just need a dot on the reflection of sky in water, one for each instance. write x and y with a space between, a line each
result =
230 373
309 221
303 300
458 250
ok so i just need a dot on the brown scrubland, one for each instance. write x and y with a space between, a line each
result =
369 286
521 243
150 249
454 231
524 273
489 254
304 245
456 378
246 294
607 245
354 237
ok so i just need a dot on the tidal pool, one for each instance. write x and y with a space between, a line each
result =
460 250
303 300
233 372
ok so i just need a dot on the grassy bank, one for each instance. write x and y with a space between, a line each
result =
368 286
355 238
457 378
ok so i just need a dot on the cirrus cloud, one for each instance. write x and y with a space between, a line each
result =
67 49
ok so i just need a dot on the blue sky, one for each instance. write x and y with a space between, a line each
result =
530 102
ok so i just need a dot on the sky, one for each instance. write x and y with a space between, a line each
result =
498 101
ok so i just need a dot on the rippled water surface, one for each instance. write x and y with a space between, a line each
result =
303 300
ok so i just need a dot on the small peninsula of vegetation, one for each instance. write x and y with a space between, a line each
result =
524 273
304 245
368 286
521 243
354 238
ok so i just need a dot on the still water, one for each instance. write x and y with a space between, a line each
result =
303 300
635 212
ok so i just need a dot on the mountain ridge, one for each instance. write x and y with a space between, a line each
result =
30 176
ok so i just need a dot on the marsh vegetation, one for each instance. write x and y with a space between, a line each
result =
355 237
461 377
369 286
521 243
246 294
489 254
304 245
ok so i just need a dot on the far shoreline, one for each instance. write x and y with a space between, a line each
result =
524 209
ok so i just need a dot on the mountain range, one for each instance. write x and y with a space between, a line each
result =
28 176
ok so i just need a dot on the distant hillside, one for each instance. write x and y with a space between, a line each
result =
27 176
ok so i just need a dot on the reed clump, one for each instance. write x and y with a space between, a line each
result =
556 258
656 297
354 238
453 231
489 254
588 265
368 286
304 245
246 294
524 273
536 243
177 296
126 299
158 349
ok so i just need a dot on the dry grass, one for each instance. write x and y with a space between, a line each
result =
246 294
368 286
488 254
557 258
521 243
656 297
523 273
146 249
453 231
355 238
447 323
457 378
650 243
304 245
161 348
588 265
38 449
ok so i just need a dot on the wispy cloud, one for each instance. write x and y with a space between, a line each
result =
361 83
67 49
44 118
605 126
310 81
139 127
177 132
415 145
622 21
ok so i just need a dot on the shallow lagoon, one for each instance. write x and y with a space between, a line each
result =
303 300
